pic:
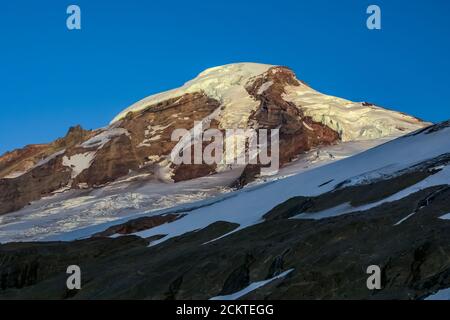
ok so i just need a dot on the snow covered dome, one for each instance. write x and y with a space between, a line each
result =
224 83
228 85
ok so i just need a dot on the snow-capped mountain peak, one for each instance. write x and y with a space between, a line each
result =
240 95
228 84
223 83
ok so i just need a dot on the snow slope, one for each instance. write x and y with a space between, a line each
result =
440 178
227 84
78 162
353 121
104 137
443 294
361 126
138 195
246 207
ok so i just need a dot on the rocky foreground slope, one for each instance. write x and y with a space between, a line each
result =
308 236
138 141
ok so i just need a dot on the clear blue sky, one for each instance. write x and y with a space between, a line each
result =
52 78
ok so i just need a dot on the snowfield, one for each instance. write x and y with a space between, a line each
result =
70 214
247 206
225 84
353 121
78 162
440 178
101 139
66 213
443 294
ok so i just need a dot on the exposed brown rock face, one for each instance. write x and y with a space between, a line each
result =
297 132
151 129
113 161
22 160
19 160
149 141
44 174
40 181
145 144
141 141
75 136
139 224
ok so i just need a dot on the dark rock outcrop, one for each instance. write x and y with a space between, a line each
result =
139 224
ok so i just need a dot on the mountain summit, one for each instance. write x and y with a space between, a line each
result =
138 140
240 87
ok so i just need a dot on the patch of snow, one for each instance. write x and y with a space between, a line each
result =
404 219
341 209
131 178
155 138
143 144
17 174
307 126
445 217
146 142
251 287
62 190
164 171
14 174
264 87
369 177
153 159
48 159
83 185
152 131
195 133
104 137
443 294
159 127
79 162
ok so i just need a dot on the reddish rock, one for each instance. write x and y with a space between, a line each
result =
298 133
141 141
